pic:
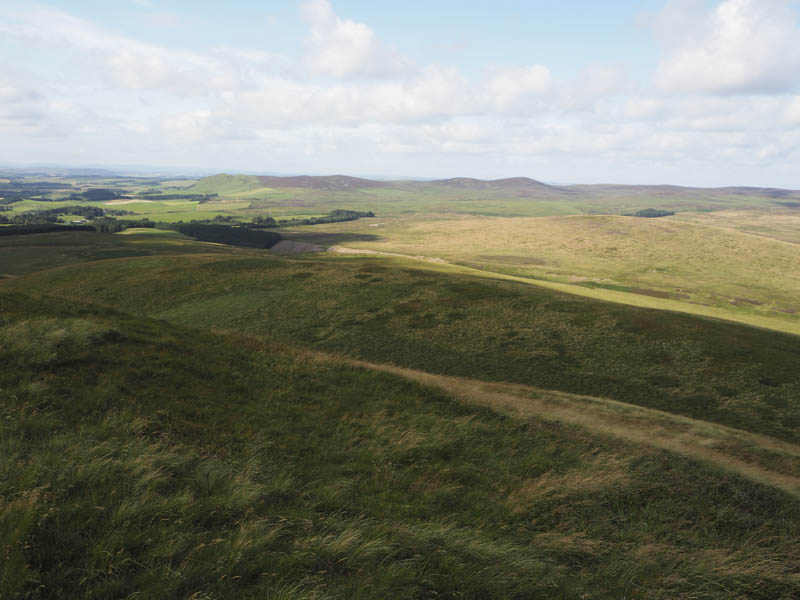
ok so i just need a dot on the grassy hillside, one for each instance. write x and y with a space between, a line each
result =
142 459
23 254
779 224
190 420
721 268
397 312
224 184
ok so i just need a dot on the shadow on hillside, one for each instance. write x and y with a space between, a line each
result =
330 239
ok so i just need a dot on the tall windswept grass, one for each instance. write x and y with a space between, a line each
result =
141 459
47 341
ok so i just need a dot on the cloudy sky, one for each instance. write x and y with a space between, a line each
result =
691 92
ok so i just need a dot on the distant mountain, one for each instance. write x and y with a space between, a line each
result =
756 191
321 182
519 183
668 191
594 198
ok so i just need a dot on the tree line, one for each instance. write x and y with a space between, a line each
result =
334 216
223 229
52 215
650 213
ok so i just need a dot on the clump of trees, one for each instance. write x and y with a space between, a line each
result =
112 225
335 216
101 194
52 215
261 222
221 233
16 191
87 212
650 213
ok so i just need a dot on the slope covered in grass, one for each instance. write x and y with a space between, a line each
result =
23 254
730 270
224 184
141 459
391 311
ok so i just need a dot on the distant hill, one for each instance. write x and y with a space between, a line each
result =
590 199
770 192
225 184
321 182
678 191
484 184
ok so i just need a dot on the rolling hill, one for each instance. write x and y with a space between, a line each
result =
231 447
325 182
235 183
194 420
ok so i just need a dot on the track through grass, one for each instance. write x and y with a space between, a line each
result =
763 459
597 293
142 459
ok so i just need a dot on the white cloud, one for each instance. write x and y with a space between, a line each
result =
509 85
739 46
125 61
361 107
792 112
344 48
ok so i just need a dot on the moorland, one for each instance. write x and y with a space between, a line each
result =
332 387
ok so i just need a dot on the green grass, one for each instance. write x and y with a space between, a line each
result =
391 311
24 254
142 459
224 185
189 420
748 275
780 224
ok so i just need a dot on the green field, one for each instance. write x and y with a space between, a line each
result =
521 398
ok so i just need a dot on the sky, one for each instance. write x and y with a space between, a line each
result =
688 92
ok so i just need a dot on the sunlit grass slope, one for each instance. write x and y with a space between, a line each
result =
721 268
780 224
391 311
144 460
224 184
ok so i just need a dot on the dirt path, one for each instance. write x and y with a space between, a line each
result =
760 458
606 295
344 250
